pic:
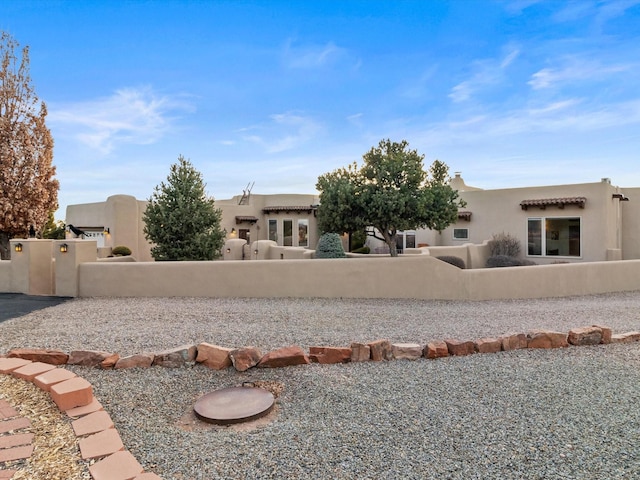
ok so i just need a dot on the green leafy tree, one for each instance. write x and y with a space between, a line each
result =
28 189
52 229
181 220
391 192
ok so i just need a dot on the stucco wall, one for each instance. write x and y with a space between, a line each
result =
419 276
5 276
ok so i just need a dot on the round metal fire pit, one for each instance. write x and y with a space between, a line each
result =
234 405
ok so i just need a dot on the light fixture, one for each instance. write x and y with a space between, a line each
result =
18 247
64 248
228 250
255 251
106 231
233 233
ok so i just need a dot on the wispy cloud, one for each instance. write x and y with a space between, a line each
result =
129 116
485 73
285 131
574 69
312 56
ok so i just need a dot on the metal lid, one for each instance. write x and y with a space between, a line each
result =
234 405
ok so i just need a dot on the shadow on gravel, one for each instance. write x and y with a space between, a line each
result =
14 305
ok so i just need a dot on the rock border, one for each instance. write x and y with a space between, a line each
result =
219 357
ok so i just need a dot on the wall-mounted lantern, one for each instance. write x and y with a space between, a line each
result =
106 231
64 248
18 247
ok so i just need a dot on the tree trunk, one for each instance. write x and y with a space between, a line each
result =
5 252
390 240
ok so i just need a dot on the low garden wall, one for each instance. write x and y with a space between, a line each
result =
414 276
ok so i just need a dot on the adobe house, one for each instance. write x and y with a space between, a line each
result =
570 223
288 220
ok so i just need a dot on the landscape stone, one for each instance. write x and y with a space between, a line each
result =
110 362
245 358
546 339
380 350
488 345
436 349
360 352
139 360
53 357
284 357
585 336
406 351
214 356
460 348
327 355
628 337
176 357
514 341
606 334
87 358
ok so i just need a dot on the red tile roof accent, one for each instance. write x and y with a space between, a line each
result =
553 202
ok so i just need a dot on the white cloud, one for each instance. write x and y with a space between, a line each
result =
286 131
129 116
486 73
574 70
312 56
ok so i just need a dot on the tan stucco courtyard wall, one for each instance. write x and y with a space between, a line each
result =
419 276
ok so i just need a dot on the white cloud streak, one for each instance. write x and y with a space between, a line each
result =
286 131
129 116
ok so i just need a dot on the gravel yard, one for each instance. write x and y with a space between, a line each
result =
564 413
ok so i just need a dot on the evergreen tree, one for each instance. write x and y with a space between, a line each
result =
28 189
181 220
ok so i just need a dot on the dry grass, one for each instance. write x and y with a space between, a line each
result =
56 455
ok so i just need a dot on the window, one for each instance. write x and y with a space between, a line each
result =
273 230
245 234
405 240
554 237
303 233
287 233
461 234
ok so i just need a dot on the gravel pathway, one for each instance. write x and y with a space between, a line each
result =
567 413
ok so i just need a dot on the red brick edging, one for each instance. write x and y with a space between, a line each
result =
94 429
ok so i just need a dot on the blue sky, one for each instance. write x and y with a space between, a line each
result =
510 93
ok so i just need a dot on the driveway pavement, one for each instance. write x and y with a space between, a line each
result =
17 304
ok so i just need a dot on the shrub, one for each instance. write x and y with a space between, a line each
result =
358 239
507 261
505 245
456 261
120 251
364 249
330 246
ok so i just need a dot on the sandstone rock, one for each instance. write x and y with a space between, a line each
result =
406 351
284 357
328 355
606 334
110 361
585 336
245 358
628 337
380 350
459 348
436 350
53 357
176 357
140 360
87 358
514 341
546 339
214 356
360 352
488 345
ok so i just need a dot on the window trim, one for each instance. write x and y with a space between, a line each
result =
453 234
543 234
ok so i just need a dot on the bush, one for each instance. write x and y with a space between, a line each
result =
120 251
503 244
330 246
456 261
507 261
361 250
